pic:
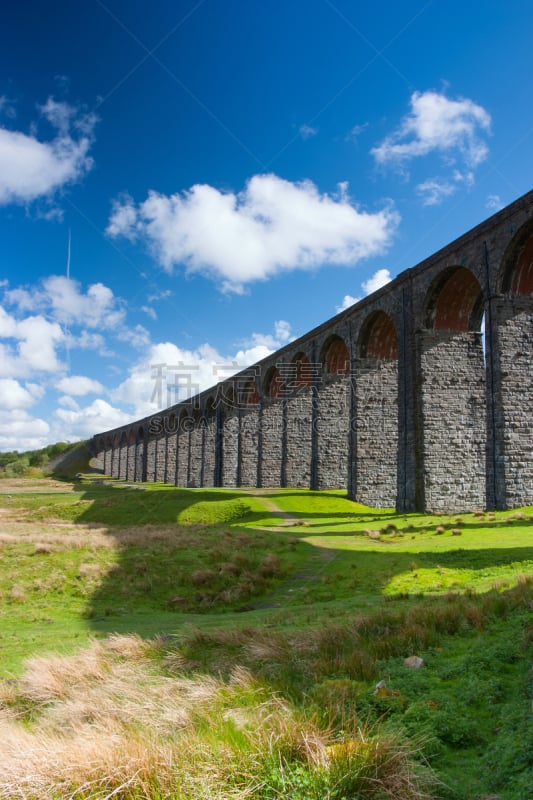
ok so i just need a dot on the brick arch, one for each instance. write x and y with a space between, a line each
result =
140 434
273 386
109 442
454 301
228 396
302 372
378 338
132 438
517 265
335 358
249 394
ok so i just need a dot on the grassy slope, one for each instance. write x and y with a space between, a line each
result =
332 603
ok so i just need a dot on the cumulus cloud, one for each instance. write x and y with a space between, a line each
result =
79 385
440 124
347 302
82 423
378 279
20 431
31 167
13 395
168 373
272 226
30 345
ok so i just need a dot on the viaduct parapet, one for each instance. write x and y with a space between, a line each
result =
420 396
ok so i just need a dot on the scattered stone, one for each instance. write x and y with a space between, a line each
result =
414 662
373 534
456 532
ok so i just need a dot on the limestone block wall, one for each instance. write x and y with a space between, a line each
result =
271 449
171 445
433 422
131 459
298 426
452 410
150 457
333 423
183 456
376 429
514 424
249 446
210 452
230 447
196 456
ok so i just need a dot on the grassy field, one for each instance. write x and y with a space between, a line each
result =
217 643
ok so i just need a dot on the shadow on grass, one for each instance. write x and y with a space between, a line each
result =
185 556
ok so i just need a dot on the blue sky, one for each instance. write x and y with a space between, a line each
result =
230 173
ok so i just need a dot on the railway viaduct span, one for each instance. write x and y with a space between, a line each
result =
420 396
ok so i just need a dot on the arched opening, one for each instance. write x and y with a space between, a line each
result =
452 393
299 421
517 272
273 386
511 462
375 475
335 356
250 393
378 337
455 301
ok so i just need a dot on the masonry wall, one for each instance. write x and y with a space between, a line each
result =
230 447
514 420
452 410
376 424
249 446
298 427
440 430
333 422
271 448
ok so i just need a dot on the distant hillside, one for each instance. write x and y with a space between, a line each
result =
62 459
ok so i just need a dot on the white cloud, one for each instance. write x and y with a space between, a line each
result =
32 168
168 373
347 302
437 123
82 423
79 385
434 191
15 396
378 279
494 202
20 431
307 132
273 225
34 346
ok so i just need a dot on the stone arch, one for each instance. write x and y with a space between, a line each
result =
378 338
229 470
196 440
375 423
298 422
271 430
516 274
452 393
301 374
454 301
335 356
511 457
333 414
273 385
249 395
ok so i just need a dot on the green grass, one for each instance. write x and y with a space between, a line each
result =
319 606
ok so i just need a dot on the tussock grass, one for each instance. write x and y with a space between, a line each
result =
107 723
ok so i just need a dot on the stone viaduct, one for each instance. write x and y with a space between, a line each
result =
402 399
